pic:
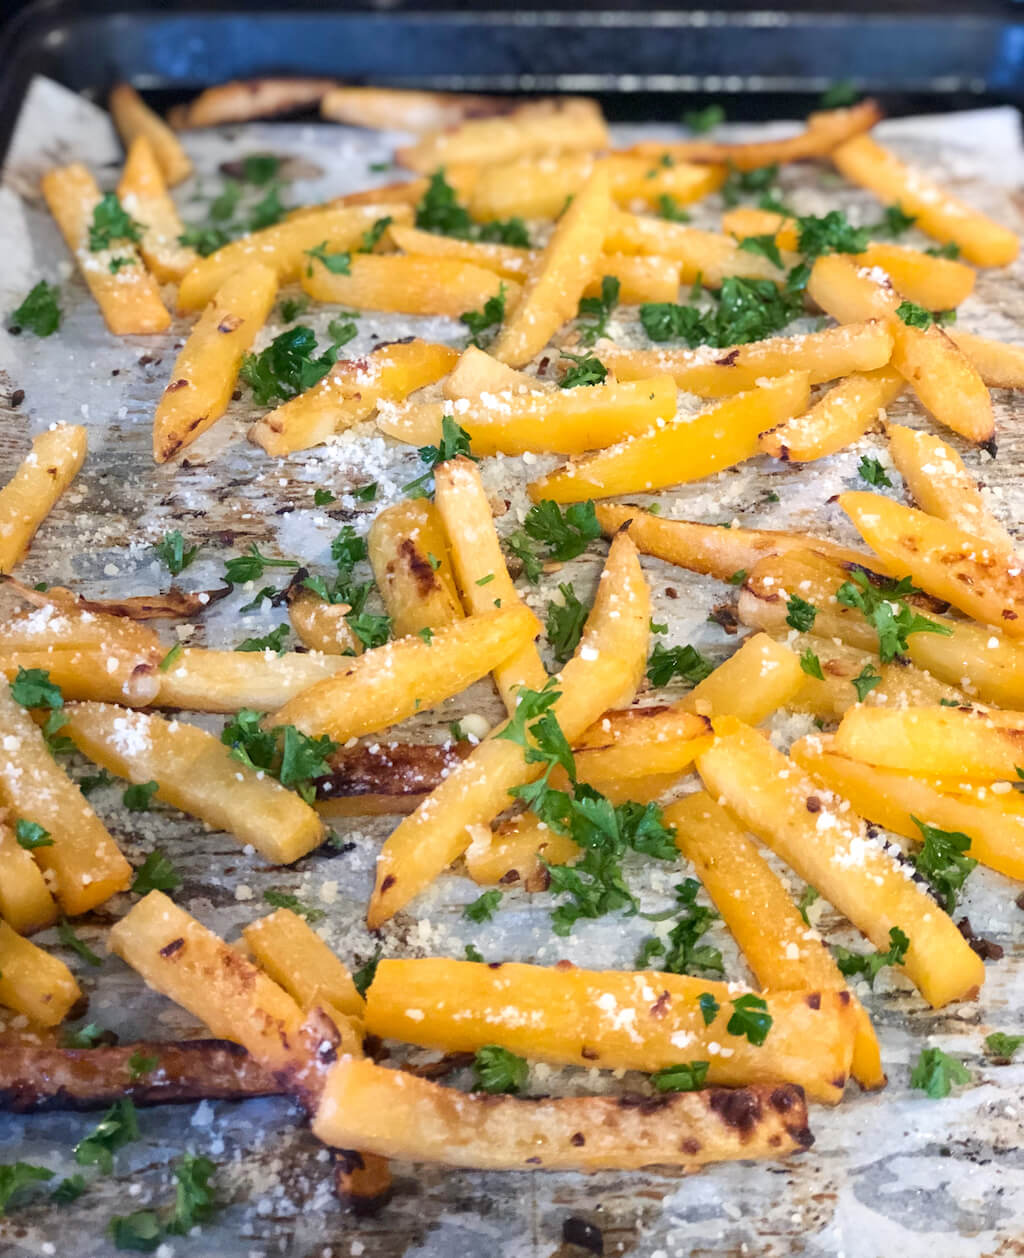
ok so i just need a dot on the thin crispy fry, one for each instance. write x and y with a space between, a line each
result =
844 414
403 109
143 193
1001 366
244 100
227 681
32 492
134 118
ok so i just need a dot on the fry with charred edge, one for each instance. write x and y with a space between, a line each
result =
977 658
321 627
105 674
83 861
1001 366
605 671
205 372
245 100
404 109
134 118
65 624
399 1115
972 574
128 296
718 552
37 1077
824 131
408 551
829 847
844 414
25 901
175 604
893 799
349 393
227 681
283 248
479 565
388 775
946 382
612 1020
518 851
705 257
144 196
935 211
32 982
197 774
413 674
362 1181
568 264
408 284
937 480
898 684
637 742
567 124
32 492
781 950
823 355
940 741
294 956
688 449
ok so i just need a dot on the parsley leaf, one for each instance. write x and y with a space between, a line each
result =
913 315
747 310
483 907
30 835
84 1037
504 231
39 312
139 1064
869 964
764 245
709 1007
949 250
118 1126
688 1077
68 1190
1002 1046
16 1176
172 553
669 210
598 310
884 608
566 534
139 1232
865 681
194 1198
811 665
251 566
830 233
138 797
282 900
942 860
499 1071
686 953
32 688
839 95
873 472
587 369
294 758
272 641
156 873
439 210
364 976
292 307
492 315
473 953
67 936
700 121
750 1017
745 183
800 615
287 367
677 661
808 898
267 212
936 1072
894 221
336 263
564 622
260 168
110 222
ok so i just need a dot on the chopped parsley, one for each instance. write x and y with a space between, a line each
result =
498 1071
156 873
807 898
884 608
740 184
870 963
669 210
115 264
746 310
1002 1046
708 1006
93 781
483 907
943 861
288 366
336 263
251 566
16 1176
68 1190
294 758
685 953
700 121
173 554
282 900
292 307
364 976
873 472
118 1126
586 369
596 311
30 835
738 577
765 246
66 935
949 250
564 623
138 797
811 665
365 493
39 312
439 211
915 316
260 168
936 1072
750 1018
800 615
688 1077
172 655
275 641
840 95
685 662
491 316
565 533
143 1231
865 681
504 231
139 1064
110 222
87 1036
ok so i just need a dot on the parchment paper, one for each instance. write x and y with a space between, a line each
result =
891 1174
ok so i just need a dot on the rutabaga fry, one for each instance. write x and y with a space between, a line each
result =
31 493
32 982
408 551
227 681
144 196
134 118
288 949
408 284
25 900
844 414
705 257
604 672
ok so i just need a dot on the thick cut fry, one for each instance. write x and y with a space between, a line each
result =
206 371
642 277
227 681
83 861
829 847
937 480
518 851
611 1020
396 1114
32 982
715 373
31 493
1001 366
556 284
197 773
968 572
824 131
935 211
709 256
296 958
945 381
781 950
845 413
413 674
407 284
186 962
509 261
349 393
479 565
603 673
547 126
893 799
283 248
637 742
706 548
143 193
751 684
688 449
408 551
403 109
477 372
127 295
134 118
321 626
243 100
25 901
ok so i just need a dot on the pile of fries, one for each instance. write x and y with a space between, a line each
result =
906 652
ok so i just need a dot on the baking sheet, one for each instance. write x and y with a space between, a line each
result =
890 1173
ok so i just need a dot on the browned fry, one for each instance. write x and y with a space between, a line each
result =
398 109
385 779
244 100
824 132
41 1076
362 1181
174 605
